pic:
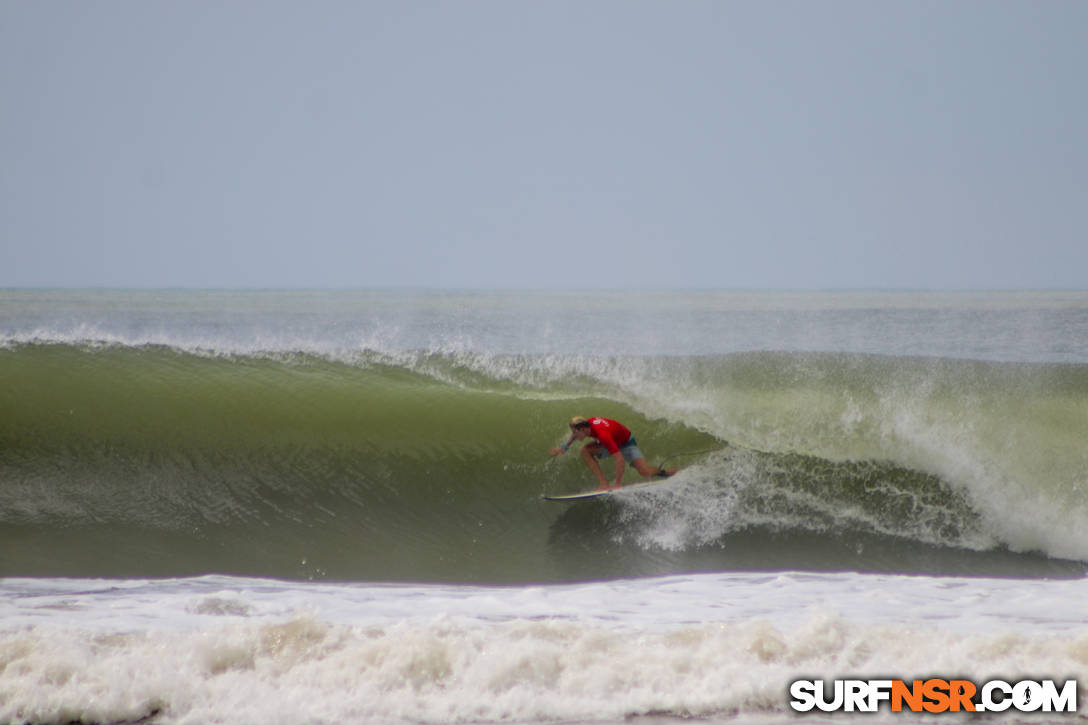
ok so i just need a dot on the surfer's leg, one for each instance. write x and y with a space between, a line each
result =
647 471
637 459
590 451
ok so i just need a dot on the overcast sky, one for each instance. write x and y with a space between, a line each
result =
545 144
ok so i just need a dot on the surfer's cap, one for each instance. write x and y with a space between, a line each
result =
578 422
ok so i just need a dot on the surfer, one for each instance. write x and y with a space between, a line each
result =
609 437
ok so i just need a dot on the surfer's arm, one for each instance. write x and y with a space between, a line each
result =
562 449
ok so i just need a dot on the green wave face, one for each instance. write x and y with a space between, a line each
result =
151 461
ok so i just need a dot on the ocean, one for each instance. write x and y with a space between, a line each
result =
325 506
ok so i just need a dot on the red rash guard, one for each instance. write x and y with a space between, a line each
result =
609 433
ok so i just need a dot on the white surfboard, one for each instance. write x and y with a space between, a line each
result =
597 493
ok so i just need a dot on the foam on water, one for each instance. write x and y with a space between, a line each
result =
711 646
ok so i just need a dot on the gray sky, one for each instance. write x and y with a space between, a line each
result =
517 143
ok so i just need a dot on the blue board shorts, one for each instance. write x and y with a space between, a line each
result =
630 451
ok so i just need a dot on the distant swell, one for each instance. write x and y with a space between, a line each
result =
149 460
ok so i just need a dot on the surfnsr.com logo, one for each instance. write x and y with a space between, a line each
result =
934 695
